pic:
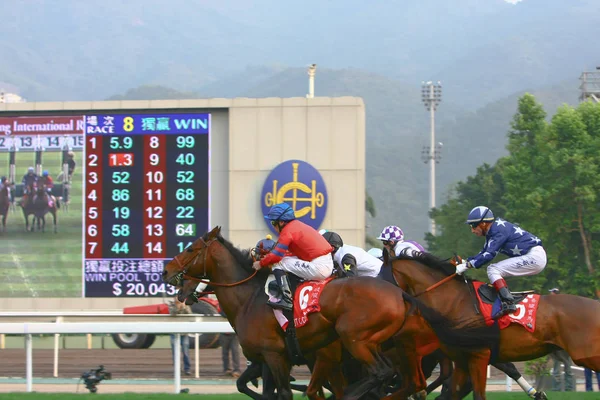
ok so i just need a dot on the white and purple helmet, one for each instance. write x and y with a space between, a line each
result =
391 232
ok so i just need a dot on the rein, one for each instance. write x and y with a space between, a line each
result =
435 285
183 268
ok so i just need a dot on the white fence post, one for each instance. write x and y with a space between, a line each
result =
197 355
177 362
28 362
56 347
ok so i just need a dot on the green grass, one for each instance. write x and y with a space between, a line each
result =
35 264
160 396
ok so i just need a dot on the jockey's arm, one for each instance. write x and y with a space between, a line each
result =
349 265
278 251
493 244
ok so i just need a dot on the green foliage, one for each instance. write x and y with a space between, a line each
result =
549 185
538 367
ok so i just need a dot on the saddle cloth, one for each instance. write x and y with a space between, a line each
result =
489 304
306 301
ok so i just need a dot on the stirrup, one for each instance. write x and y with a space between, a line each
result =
282 304
506 309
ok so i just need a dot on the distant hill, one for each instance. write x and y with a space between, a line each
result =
482 51
397 129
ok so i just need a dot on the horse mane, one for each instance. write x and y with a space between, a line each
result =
428 260
242 257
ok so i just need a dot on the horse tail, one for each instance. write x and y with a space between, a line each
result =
471 334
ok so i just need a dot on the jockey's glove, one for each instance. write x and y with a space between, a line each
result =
461 268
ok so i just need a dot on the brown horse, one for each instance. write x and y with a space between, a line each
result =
363 313
43 204
4 204
568 322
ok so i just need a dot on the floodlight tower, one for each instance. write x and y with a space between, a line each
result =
590 86
432 97
312 70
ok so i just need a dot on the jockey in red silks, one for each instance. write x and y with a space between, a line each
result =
300 250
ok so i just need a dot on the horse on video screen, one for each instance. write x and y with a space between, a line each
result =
4 204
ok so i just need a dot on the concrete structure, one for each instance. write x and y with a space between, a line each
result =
249 138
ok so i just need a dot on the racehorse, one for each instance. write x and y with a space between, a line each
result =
363 313
446 367
4 205
567 322
26 204
41 207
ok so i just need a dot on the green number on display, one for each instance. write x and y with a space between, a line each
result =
185 142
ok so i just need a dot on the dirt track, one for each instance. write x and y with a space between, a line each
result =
133 364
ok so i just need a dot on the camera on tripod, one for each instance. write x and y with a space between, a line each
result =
93 377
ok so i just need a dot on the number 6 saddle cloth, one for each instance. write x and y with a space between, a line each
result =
306 301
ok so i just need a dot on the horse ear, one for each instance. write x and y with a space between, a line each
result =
214 232
386 257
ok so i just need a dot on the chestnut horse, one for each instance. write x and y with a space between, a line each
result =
4 204
41 207
567 322
363 313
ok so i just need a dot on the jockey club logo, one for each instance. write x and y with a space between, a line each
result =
301 186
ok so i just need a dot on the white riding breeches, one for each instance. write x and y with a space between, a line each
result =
529 264
318 269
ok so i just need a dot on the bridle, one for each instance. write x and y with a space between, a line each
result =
177 280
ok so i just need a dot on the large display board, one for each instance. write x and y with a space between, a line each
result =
146 197
145 193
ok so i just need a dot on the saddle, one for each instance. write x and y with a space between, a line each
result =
488 294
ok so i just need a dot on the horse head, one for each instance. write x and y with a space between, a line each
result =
210 258
193 261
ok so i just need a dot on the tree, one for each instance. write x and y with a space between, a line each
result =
549 185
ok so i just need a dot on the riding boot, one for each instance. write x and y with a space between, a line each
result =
285 303
506 297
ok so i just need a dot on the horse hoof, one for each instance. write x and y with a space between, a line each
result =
540 396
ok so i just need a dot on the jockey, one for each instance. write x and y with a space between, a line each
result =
30 178
71 163
392 238
262 248
300 251
352 260
525 252
47 180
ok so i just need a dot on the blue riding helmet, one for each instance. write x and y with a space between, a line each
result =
480 214
45 173
281 212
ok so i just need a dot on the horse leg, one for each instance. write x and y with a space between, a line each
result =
459 380
54 220
446 369
26 220
379 369
280 368
252 372
327 365
413 379
478 363
512 371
